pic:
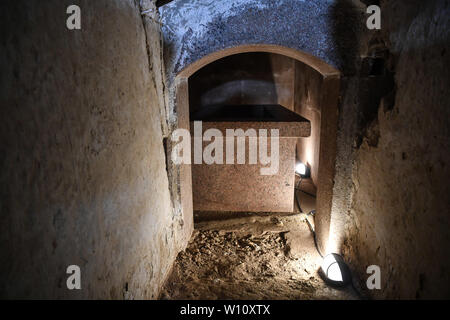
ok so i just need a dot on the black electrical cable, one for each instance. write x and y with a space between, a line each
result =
312 213
314 236
295 195
298 205
307 193
297 187
298 183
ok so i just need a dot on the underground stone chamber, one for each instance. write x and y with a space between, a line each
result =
87 177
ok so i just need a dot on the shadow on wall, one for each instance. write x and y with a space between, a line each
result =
347 22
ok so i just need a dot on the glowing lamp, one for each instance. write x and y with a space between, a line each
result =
302 169
334 271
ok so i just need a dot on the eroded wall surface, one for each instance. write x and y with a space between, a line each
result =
83 170
399 218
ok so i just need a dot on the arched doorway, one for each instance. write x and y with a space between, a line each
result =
326 94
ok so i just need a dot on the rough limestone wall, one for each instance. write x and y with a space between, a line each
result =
83 174
399 214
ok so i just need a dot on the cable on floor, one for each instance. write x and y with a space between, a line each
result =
311 213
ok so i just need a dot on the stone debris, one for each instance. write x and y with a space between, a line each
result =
227 261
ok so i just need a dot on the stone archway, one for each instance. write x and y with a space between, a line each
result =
328 127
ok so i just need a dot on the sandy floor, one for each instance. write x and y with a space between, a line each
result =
252 256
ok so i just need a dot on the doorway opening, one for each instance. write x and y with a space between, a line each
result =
259 86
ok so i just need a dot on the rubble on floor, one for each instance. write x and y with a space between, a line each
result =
255 256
